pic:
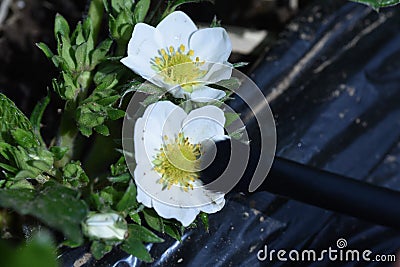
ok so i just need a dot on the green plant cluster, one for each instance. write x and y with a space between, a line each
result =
47 186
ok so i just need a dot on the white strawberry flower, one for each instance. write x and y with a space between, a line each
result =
176 55
168 147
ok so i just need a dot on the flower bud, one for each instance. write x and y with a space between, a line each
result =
105 226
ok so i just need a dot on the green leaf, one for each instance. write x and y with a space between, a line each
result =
376 4
153 220
99 249
58 62
37 114
99 54
66 54
123 27
136 248
119 167
149 88
22 184
20 156
77 37
117 5
102 129
115 114
109 82
110 71
90 115
41 153
30 162
128 201
4 147
86 131
136 218
123 178
58 151
238 133
106 6
143 234
141 9
57 206
230 84
215 22
87 28
33 163
74 175
80 56
173 231
61 26
108 197
24 138
24 174
45 49
10 118
150 100
40 164
230 117
98 108
69 89
96 202
8 168
107 100
113 27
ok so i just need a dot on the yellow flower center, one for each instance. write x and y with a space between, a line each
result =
178 67
178 163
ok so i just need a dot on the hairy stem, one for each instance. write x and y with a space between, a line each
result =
67 134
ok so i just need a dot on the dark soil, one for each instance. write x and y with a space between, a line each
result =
25 73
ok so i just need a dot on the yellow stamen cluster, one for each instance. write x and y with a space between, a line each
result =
178 68
178 163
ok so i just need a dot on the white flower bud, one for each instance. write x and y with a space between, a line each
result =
105 226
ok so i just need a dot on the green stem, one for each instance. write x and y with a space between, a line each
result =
67 134
68 130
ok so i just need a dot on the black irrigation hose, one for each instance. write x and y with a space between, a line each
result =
334 192
319 188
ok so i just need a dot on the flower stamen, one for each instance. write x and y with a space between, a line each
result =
178 68
178 163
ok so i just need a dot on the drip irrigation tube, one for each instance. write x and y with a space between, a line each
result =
334 192
320 188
